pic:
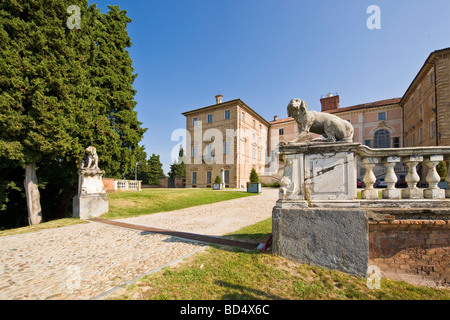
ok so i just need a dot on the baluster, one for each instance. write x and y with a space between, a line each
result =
433 178
369 178
412 192
391 178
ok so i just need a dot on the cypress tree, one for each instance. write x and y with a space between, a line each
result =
61 90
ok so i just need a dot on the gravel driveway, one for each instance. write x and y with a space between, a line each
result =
88 261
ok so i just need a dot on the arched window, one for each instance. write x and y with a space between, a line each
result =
382 139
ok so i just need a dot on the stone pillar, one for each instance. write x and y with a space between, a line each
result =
412 192
369 179
433 178
391 178
316 219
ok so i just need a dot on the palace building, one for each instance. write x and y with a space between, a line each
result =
229 138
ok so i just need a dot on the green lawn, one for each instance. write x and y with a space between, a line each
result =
222 273
45 225
148 201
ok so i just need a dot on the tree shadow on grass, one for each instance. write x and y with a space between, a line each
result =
245 293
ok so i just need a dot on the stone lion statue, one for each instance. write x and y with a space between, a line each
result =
91 159
331 127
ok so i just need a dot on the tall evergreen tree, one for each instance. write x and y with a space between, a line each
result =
155 170
178 168
61 90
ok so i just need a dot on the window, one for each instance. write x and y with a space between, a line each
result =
413 140
419 94
208 176
432 101
243 116
381 116
281 131
227 114
431 78
226 147
194 121
260 129
382 139
209 118
420 135
368 143
227 176
253 153
259 157
254 124
396 141
194 151
194 177
420 110
432 129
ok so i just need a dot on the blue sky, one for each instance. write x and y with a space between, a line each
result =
267 52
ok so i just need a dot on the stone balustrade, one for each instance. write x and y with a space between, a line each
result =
411 157
324 174
128 185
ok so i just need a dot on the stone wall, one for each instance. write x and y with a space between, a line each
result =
108 184
415 251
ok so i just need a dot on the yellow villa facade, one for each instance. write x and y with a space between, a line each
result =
229 138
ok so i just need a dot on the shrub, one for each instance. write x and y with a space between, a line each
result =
254 176
218 180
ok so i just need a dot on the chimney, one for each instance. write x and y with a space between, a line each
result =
275 118
330 102
219 98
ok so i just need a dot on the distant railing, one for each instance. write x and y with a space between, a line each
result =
127 185
411 157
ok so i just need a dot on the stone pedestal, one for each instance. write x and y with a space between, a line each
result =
327 237
319 173
90 206
317 219
92 200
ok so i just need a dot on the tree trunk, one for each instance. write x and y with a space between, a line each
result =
32 193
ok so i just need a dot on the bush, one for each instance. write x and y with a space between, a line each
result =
254 176
218 180
275 184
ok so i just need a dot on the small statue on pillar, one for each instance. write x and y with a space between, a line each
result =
91 200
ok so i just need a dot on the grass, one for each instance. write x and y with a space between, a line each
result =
42 226
148 201
221 273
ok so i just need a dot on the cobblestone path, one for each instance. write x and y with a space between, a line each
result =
86 261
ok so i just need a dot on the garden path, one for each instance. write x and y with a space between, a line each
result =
93 260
